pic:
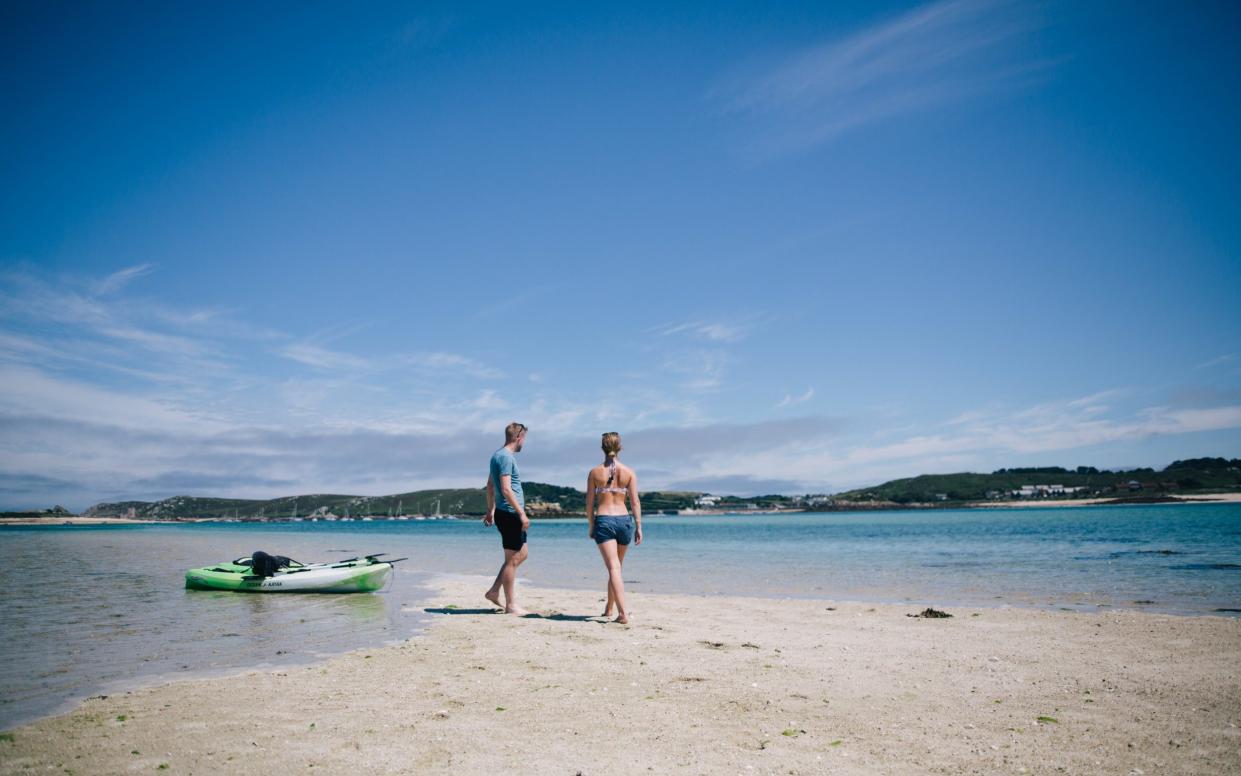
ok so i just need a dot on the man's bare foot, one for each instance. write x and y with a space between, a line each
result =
494 598
517 610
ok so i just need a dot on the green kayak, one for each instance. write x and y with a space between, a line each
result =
354 575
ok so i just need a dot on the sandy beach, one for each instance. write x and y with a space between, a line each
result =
1206 498
696 685
72 520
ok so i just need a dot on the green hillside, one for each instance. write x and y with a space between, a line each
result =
542 500
1195 475
423 502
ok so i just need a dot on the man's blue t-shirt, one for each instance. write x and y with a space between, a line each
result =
504 462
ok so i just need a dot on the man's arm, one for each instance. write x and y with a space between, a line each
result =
490 517
506 487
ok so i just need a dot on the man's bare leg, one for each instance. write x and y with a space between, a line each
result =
508 579
493 595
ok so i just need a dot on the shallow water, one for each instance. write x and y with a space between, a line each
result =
88 610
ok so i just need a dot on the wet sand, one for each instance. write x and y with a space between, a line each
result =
696 685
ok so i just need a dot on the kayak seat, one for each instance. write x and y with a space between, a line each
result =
265 565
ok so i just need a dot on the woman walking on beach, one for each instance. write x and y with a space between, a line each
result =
611 526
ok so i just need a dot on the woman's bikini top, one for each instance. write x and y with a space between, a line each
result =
601 489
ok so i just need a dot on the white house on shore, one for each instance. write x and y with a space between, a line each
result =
1043 491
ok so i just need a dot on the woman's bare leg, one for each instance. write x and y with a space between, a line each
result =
621 549
616 584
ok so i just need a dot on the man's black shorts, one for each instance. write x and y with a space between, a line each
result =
512 535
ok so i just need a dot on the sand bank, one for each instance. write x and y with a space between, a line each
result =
70 521
701 686
1206 498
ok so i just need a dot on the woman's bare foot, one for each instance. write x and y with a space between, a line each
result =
517 610
623 619
607 614
493 598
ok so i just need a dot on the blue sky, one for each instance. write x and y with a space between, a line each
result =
262 250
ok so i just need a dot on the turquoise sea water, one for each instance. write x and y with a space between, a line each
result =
91 610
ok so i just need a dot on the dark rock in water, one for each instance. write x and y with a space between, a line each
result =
930 613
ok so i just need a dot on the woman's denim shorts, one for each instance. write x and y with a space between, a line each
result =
617 528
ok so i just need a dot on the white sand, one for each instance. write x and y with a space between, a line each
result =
1206 498
70 520
697 685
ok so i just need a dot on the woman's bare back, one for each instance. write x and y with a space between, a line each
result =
611 485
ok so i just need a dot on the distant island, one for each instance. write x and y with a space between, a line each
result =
1188 477
1049 484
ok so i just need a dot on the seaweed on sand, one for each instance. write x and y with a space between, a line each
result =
930 613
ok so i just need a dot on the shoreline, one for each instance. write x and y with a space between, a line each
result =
56 521
1205 498
700 684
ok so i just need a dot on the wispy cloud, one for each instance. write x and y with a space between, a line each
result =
438 364
789 399
699 371
32 392
1097 400
74 323
320 357
118 280
1048 427
711 331
1217 361
452 363
939 53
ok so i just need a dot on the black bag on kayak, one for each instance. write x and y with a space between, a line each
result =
264 565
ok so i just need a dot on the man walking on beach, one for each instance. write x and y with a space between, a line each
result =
506 509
